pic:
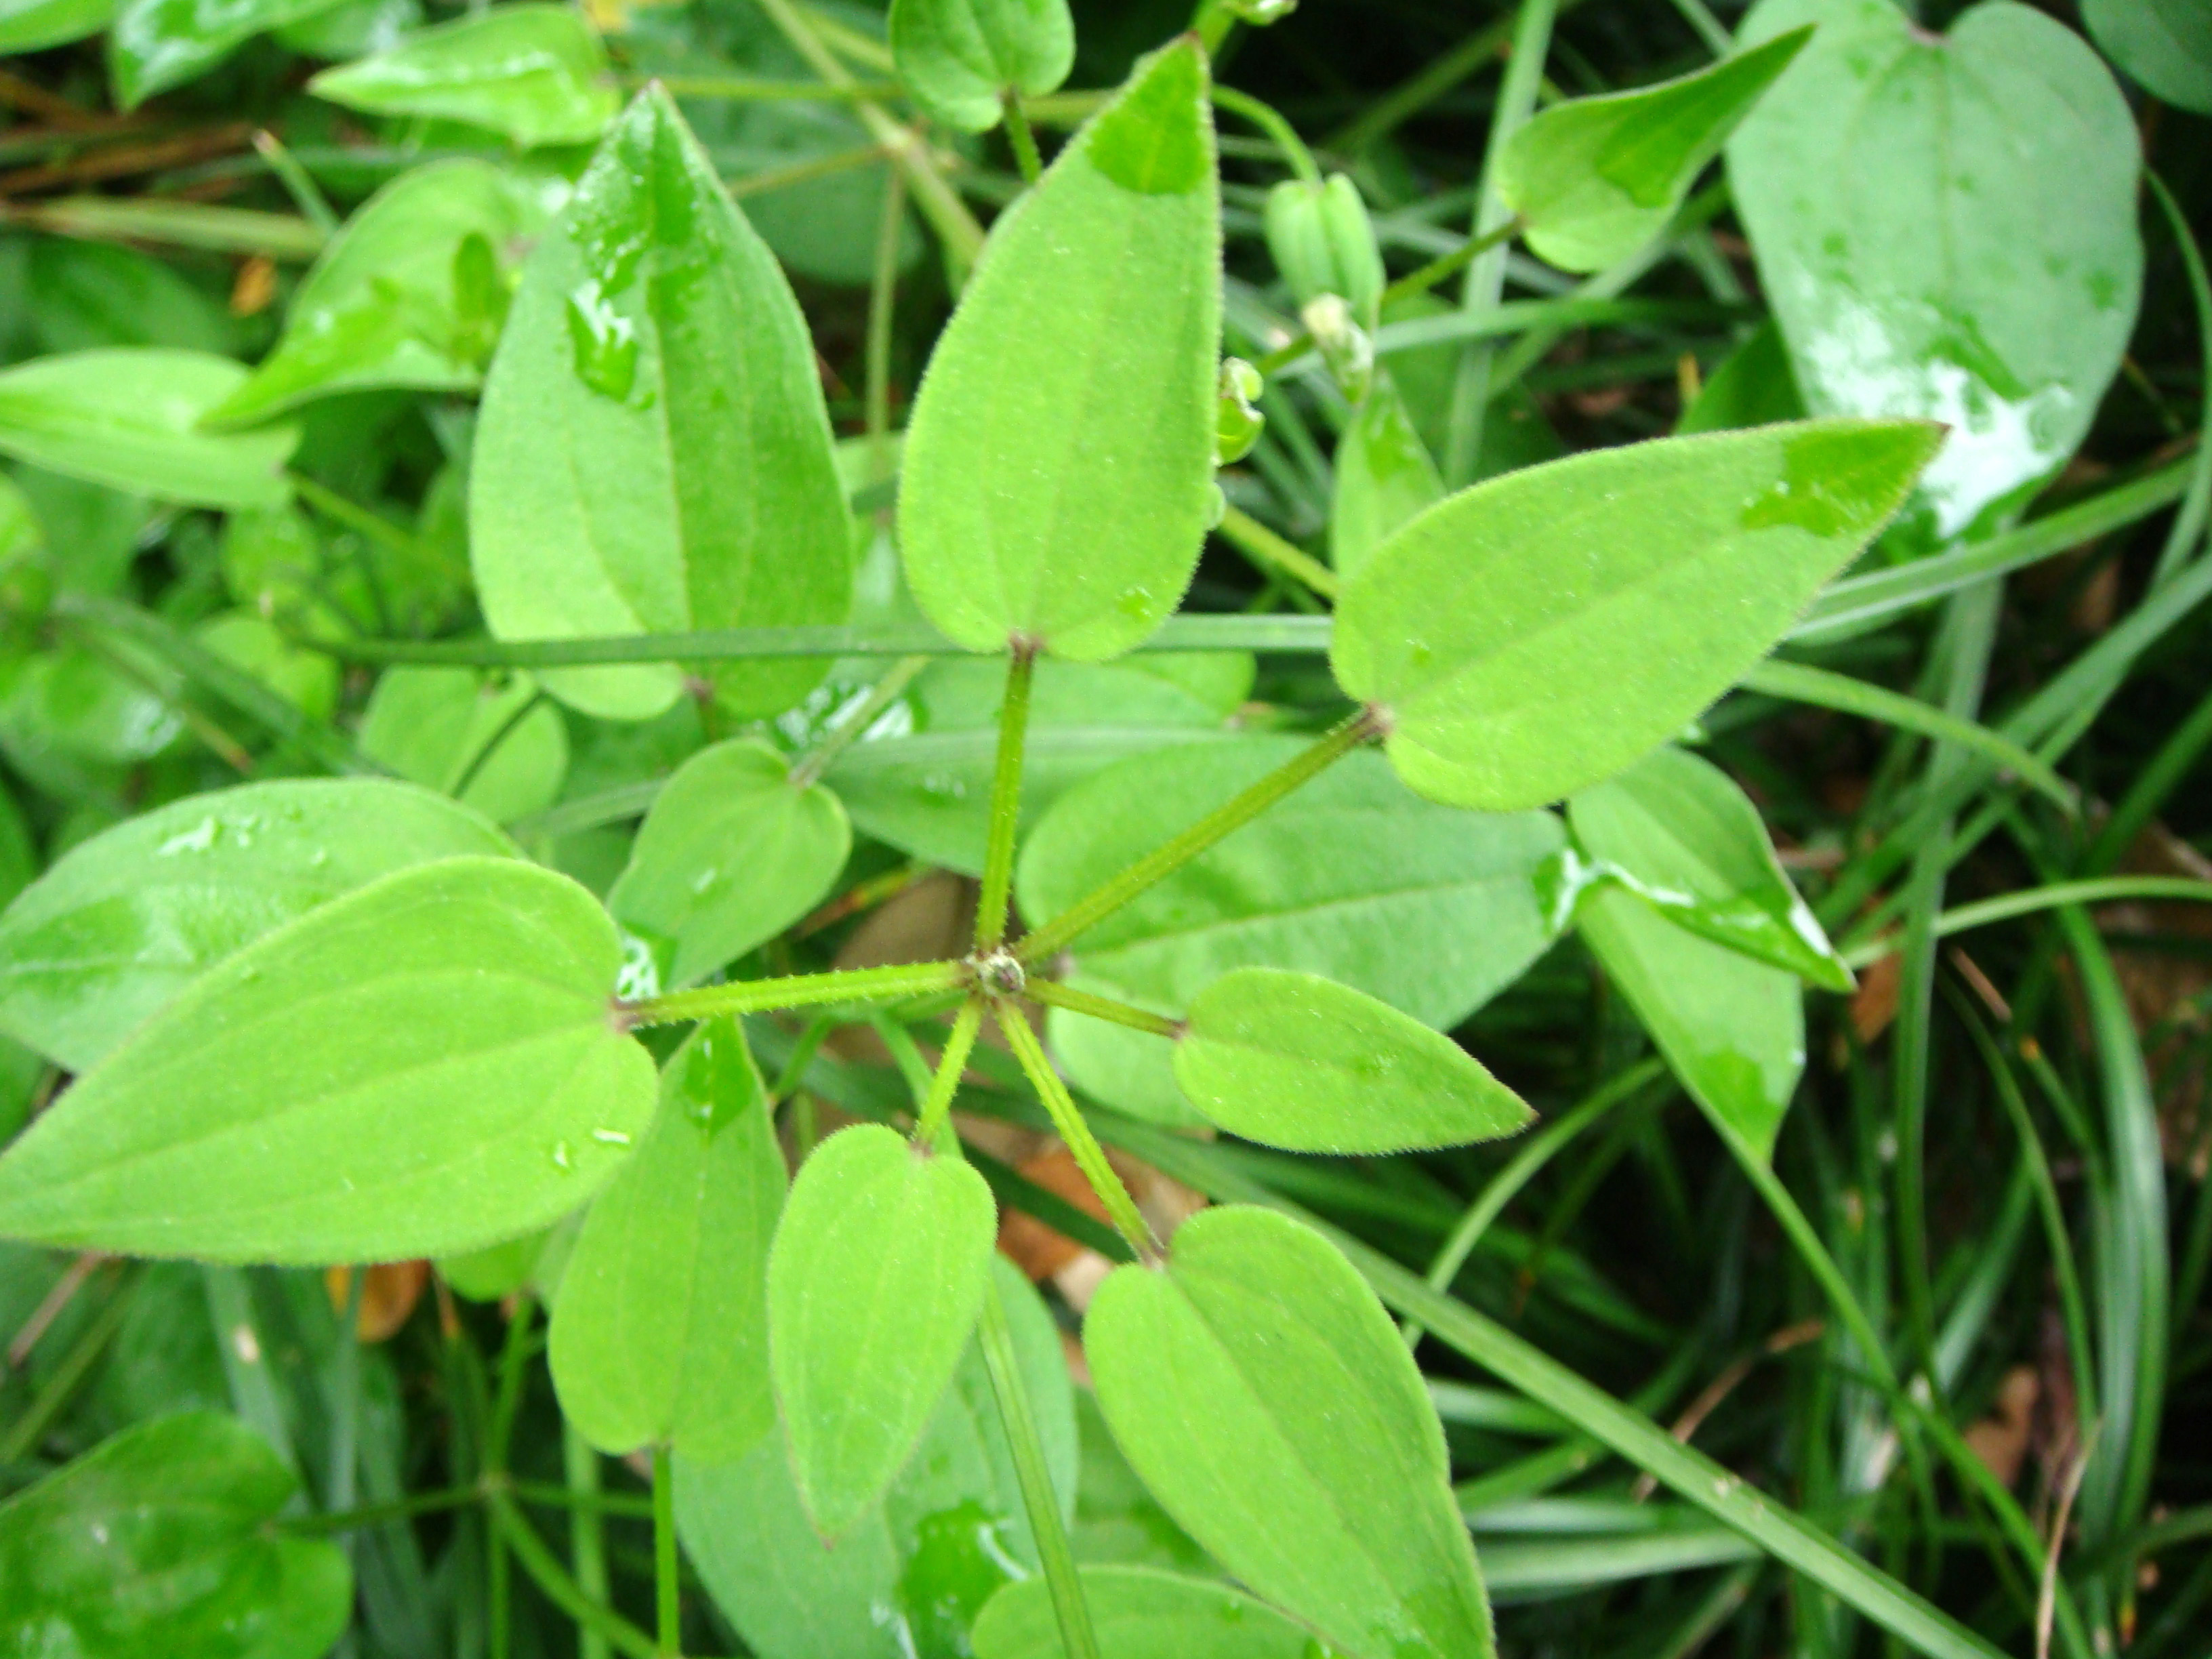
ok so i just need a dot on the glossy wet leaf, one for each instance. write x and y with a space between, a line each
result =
30 25
421 1066
2165 45
654 455
380 309
1139 1612
159 43
130 418
1299 1061
1038 498
910 1575
536 73
660 1334
158 1542
1537 633
1732 1029
1353 878
960 57
1676 829
1209 1371
732 854
491 739
1946 228
879 1265
1596 178
1384 476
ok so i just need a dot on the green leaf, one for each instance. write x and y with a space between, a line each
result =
1117 1521
660 1334
1299 1061
654 455
879 1265
1038 498
352 28
1385 476
130 418
1210 1372
379 308
305 678
1353 878
76 702
536 73
2166 45
160 44
910 1575
33 25
1596 178
1750 387
1139 1614
730 855
490 738
158 1543
1946 228
1503 684
1677 830
422 1066
960 57
1733 1030
88 296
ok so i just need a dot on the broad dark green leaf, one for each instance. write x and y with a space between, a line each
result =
379 308
160 44
31 25
910 1575
1210 1372
536 73
654 455
1039 498
1299 1061
1733 1030
1353 878
487 738
1137 1613
1385 476
2166 45
731 855
660 1334
960 57
1677 830
1596 178
423 1066
158 1544
880 1263
1503 684
130 418
1946 228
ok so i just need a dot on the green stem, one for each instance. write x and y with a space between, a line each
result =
587 1543
61 1384
1210 23
1248 534
667 1579
757 996
1022 140
1225 819
517 1535
634 1506
2196 505
768 179
1056 995
298 184
1270 121
1822 1266
1090 1156
937 1103
854 724
1006 800
2103 889
745 90
351 515
1437 270
883 311
382 1514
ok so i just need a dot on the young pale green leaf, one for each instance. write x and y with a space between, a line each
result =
159 43
1503 686
1946 226
487 738
1323 242
1209 1372
1385 476
908 1576
654 455
1677 830
1299 1061
33 25
1058 476
1137 1613
879 1265
1596 178
2166 45
1353 878
158 1543
379 308
130 418
426 1065
536 73
960 58
732 854
660 1334
124 922
1733 1030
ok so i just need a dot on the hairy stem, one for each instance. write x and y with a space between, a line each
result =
1089 1156
756 996
1056 995
1005 801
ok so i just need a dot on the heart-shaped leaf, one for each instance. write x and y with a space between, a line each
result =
488 737
424 1065
960 58
1137 1613
536 73
2166 45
